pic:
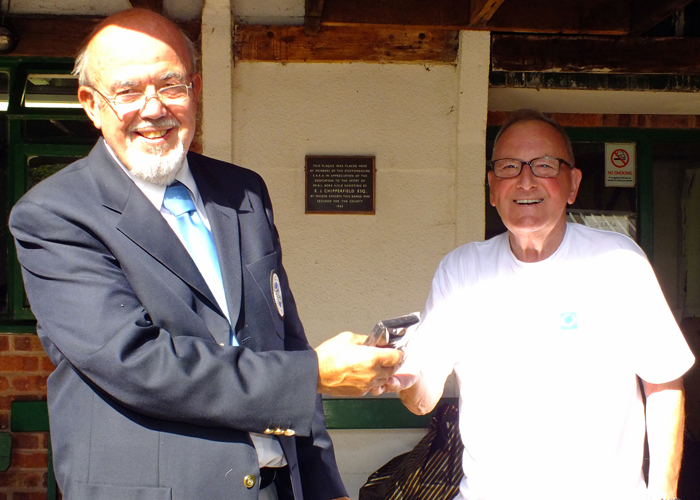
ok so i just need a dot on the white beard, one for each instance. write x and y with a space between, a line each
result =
156 166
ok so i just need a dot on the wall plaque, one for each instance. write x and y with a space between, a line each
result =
340 184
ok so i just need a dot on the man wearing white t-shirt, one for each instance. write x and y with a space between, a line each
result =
548 328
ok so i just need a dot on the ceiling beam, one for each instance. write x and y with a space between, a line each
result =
449 14
61 36
585 17
483 10
345 44
154 5
648 13
552 54
313 13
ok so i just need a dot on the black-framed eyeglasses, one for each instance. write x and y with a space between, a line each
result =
132 101
545 166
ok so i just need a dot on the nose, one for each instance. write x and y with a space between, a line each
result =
153 107
526 179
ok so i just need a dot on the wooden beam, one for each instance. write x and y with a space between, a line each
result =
55 36
528 53
61 36
483 10
592 17
154 5
449 14
600 17
345 43
313 13
648 13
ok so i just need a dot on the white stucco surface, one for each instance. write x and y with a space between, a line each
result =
348 271
216 67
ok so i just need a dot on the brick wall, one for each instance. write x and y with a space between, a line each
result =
24 368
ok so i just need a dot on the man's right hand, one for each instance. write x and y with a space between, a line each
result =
348 368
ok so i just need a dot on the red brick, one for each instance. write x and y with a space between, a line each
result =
28 460
28 441
19 363
21 479
30 383
35 495
6 402
46 365
3 496
4 421
29 343
4 342
4 383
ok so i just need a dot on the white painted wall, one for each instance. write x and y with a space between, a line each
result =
348 271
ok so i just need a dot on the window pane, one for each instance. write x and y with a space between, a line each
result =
60 131
51 91
4 214
4 90
41 167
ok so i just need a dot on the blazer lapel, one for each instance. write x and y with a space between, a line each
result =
223 217
141 222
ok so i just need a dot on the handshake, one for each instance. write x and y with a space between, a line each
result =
353 365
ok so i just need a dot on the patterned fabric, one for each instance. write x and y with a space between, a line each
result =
430 471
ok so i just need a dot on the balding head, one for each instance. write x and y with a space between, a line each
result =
132 22
139 87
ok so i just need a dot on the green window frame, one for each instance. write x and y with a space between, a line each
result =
21 147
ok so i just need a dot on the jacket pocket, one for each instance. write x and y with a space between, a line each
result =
85 491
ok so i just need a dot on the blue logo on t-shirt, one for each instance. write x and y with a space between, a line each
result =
568 321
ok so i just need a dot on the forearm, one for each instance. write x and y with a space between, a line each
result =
422 396
665 425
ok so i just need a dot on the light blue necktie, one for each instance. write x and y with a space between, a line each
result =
198 241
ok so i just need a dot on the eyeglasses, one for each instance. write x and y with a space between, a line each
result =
131 101
507 168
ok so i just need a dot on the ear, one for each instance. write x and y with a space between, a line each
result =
490 177
87 100
576 176
196 87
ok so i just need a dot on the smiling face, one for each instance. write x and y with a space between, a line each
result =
142 52
533 208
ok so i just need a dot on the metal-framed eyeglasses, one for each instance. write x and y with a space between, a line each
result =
545 166
132 101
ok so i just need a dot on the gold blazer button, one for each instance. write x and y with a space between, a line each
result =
249 481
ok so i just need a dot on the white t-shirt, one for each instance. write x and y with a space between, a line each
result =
546 355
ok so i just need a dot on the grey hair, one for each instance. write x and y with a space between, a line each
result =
530 115
80 68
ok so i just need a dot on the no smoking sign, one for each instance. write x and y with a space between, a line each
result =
620 162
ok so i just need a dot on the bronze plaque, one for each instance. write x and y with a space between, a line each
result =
340 184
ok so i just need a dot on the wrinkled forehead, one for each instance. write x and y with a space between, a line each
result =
118 52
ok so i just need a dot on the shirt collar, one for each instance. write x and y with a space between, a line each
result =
154 192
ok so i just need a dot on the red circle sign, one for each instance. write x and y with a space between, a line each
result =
620 158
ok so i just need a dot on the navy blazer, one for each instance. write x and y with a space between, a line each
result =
148 400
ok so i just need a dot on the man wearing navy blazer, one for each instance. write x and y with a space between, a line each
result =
164 389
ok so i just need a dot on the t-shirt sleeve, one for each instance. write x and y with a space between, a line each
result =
660 352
